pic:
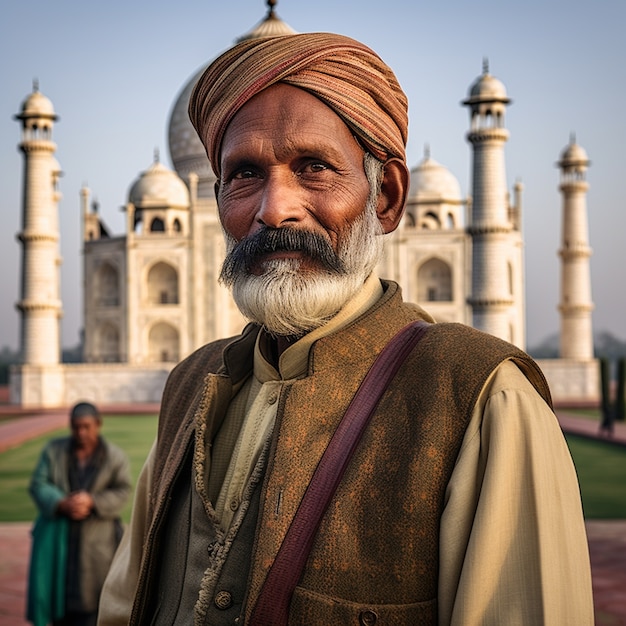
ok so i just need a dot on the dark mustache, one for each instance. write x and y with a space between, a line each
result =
251 250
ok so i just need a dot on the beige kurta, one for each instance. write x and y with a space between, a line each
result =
513 544
251 414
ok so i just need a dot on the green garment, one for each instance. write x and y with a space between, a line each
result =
46 578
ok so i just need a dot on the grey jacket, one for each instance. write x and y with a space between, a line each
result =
99 533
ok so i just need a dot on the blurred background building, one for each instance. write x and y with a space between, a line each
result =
151 295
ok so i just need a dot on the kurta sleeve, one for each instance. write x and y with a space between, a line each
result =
118 593
45 493
513 544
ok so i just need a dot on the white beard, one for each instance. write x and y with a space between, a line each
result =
288 301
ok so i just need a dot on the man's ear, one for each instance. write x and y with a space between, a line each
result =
393 192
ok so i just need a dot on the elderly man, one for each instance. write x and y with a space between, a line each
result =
459 503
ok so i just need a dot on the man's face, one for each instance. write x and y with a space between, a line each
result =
85 431
288 160
298 211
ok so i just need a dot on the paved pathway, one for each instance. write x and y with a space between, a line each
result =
14 432
607 539
574 424
28 424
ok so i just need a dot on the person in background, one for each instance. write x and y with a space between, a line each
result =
460 503
79 486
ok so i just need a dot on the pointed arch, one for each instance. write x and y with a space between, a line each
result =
107 285
429 220
162 284
157 225
107 343
434 281
163 343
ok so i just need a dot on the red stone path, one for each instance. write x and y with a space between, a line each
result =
607 539
31 424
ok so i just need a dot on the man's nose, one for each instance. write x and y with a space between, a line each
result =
281 202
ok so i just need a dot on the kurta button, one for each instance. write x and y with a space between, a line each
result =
223 600
234 504
272 397
368 618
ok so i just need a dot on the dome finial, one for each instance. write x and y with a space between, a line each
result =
35 85
426 150
485 66
572 138
270 26
157 156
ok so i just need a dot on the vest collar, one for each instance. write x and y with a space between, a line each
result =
238 355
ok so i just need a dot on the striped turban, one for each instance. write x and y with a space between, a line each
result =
343 73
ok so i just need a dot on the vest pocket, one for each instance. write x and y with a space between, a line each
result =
314 609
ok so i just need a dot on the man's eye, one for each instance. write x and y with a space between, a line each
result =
244 173
314 166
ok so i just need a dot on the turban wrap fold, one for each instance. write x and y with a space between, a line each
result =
343 73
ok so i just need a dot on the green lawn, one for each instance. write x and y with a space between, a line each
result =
133 433
601 469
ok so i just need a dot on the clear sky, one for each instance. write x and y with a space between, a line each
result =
113 71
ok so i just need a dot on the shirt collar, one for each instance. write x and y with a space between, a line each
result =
293 362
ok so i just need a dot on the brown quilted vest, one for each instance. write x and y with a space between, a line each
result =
376 553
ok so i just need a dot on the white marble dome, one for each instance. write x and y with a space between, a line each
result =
432 181
487 88
37 105
573 154
186 150
159 186
55 166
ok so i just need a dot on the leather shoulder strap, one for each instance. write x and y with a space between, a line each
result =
272 607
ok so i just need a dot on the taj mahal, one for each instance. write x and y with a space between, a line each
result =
151 295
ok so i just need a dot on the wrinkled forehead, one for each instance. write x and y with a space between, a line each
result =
291 117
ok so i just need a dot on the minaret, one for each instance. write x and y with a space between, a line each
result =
490 227
576 305
40 303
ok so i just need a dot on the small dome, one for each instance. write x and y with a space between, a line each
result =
487 88
186 150
158 186
37 105
55 166
271 26
432 181
573 154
